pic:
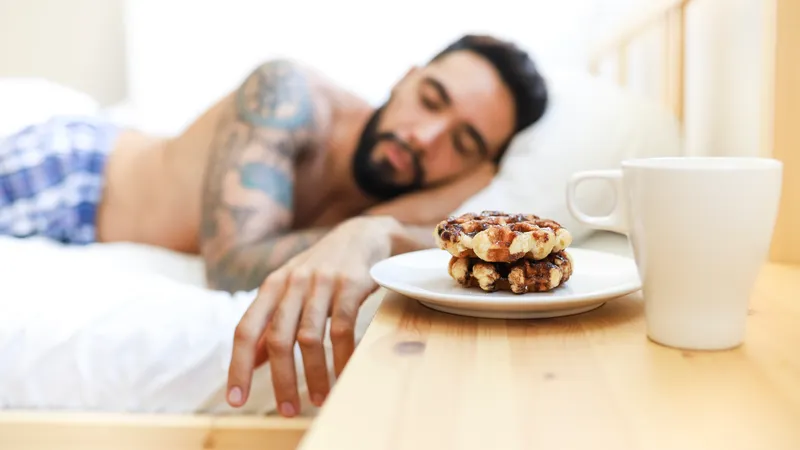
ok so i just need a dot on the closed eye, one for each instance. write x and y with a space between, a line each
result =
433 94
464 144
431 104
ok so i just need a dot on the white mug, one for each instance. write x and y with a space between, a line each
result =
700 229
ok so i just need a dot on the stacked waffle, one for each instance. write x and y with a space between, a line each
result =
498 251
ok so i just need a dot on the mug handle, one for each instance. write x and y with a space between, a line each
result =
616 221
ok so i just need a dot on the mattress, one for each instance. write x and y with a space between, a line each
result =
129 328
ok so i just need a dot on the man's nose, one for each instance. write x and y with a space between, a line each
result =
427 134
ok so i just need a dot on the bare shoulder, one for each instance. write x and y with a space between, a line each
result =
287 95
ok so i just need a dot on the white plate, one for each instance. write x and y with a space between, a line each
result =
597 277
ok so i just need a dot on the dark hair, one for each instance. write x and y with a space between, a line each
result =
517 71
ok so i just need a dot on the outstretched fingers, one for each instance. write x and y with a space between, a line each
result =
249 332
281 334
311 336
344 314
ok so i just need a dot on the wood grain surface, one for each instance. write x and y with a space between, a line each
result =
427 380
67 430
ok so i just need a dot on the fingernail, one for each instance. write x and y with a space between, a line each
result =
317 399
235 395
287 409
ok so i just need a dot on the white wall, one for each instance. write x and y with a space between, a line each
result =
176 56
365 46
78 43
724 86
724 72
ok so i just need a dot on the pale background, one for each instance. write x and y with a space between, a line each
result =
169 59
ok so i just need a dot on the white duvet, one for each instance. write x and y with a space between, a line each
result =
118 327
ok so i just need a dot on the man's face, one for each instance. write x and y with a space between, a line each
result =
441 121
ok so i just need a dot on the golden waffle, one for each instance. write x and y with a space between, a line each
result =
521 276
499 237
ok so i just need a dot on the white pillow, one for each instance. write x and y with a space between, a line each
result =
24 101
590 124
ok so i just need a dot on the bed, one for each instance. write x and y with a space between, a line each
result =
139 358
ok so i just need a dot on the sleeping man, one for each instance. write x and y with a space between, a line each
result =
289 185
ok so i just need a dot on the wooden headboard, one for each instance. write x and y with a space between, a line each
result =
781 112
669 16
783 121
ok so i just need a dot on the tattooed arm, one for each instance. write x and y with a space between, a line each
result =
246 266
263 129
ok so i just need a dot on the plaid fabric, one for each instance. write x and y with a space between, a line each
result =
51 178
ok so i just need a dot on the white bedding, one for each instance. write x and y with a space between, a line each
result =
117 327
121 327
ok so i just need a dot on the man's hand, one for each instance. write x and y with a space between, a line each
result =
329 279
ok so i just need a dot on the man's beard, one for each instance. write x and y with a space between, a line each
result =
375 178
